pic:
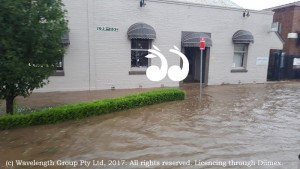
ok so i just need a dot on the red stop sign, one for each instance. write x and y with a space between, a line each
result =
202 43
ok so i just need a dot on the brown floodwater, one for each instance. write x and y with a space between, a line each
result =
232 126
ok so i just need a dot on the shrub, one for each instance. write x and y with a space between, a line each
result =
79 111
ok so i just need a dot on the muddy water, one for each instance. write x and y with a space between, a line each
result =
231 127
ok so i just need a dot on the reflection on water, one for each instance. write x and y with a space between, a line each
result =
253 124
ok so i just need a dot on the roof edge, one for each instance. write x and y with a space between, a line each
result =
297 3
211 6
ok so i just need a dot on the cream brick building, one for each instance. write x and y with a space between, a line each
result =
104 53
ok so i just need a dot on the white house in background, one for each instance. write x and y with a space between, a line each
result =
109 39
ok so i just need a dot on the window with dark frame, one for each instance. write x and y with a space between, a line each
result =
240 56
60 64
139 49
65 41
59 67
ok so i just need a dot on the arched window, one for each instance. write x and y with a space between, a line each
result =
241 40
141 36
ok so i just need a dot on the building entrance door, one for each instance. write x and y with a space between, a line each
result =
193 56
276 68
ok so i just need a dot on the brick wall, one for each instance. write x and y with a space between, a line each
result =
289 17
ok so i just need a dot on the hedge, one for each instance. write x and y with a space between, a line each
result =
82 110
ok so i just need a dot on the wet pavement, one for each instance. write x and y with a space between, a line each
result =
233 126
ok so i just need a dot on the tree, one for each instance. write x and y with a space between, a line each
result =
30 45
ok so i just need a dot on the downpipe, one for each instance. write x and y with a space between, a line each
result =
299 161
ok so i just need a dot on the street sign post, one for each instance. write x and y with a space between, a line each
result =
202 47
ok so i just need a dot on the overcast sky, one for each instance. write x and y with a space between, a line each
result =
261 4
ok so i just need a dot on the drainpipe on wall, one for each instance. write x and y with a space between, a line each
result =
90 48
89 53
299 161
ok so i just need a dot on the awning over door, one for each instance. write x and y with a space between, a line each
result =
141 31
242 36
193 39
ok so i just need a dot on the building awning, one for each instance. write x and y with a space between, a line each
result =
242 36
193 39
141 31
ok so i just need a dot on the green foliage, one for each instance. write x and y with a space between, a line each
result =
79 111
30 44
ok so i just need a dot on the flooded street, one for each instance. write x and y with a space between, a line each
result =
233 126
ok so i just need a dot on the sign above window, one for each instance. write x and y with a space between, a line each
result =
106 28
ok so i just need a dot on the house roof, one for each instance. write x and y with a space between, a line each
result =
297 3
221 3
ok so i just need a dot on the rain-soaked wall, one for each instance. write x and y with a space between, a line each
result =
98 59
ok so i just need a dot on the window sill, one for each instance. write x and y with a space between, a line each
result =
137 72
239 70
59 73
